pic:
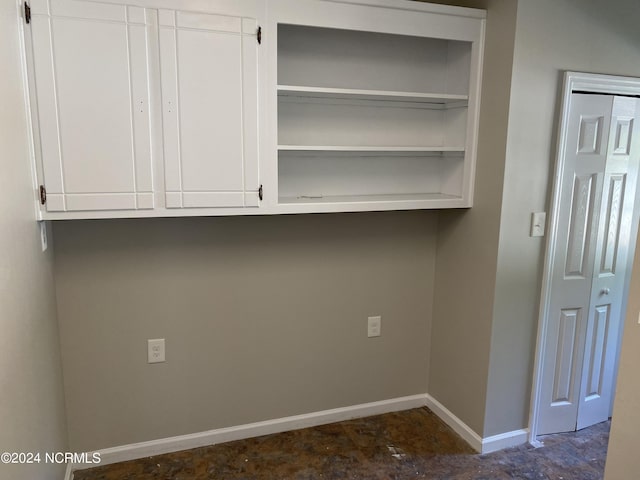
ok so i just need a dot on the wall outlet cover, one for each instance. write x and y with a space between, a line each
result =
155 350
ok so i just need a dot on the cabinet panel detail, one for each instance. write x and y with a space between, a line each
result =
201 21
88 10
136 15
94 75
210 78
114 201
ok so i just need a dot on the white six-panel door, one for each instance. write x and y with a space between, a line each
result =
210 123
592 245
92 88
610 264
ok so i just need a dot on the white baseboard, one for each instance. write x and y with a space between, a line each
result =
240 432
221 435
479 444
504 440
457 425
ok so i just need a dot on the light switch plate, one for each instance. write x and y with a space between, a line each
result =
538 220
374 326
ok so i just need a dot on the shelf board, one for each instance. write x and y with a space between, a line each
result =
367 149
373 95
381 198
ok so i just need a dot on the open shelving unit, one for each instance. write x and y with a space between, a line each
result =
369 118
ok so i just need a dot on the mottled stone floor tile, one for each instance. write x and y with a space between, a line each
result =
414 444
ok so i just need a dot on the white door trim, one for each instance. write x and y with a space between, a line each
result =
573 82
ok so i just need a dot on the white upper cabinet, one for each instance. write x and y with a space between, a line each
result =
232 107
374 106
144 110
91 78
209 97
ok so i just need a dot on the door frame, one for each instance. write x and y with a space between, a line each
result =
574 82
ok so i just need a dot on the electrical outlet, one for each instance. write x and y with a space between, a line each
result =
155 350
374 326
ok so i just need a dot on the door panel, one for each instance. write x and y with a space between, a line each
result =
92 96
597 350
613 219
565 365
590 138
580 225
209 95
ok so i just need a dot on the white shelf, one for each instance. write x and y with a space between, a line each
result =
366 149
428 99
388 198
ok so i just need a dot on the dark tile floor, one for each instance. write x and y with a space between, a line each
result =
403 445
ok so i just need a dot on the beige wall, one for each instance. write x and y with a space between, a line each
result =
623 460
468 242
31 397
263 317
552 36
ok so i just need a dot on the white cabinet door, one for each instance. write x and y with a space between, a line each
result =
91 80
210 109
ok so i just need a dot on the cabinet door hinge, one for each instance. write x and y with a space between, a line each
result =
43 195
260 193
259 35
27 12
